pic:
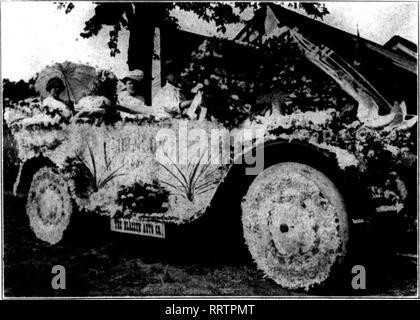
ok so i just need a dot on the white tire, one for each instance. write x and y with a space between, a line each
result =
295 224
49 206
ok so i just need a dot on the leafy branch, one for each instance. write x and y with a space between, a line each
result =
197 179
85 172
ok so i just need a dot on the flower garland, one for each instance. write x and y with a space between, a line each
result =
143 198
377 155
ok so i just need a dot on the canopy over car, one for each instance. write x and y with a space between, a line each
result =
391 68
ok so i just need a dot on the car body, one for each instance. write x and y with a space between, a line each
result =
302 178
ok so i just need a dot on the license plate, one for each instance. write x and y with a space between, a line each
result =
139 227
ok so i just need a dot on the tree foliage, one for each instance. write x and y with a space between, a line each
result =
141 19
120 16
15 91
276 72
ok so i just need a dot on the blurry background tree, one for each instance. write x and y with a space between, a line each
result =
15 91
141 19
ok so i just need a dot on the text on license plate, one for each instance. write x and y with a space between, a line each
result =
134 226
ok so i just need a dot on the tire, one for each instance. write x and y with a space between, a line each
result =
295 225
49 205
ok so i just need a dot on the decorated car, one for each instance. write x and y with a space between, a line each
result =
304 163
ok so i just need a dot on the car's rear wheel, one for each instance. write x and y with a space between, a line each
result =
49 205
295 224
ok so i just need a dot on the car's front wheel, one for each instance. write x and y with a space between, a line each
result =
295 224
49 205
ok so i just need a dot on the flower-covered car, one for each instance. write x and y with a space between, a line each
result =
304 163
297 207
